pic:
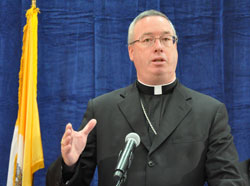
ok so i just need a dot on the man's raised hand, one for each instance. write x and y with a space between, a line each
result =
73 142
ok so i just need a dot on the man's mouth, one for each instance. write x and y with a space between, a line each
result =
158 60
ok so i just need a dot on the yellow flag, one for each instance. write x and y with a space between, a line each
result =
26 154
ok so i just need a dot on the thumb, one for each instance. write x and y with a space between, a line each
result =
89 127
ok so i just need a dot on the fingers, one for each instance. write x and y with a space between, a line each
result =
68 126
66 139
89 127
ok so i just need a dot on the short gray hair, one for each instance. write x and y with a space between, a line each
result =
146 13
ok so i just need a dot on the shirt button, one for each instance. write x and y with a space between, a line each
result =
151 163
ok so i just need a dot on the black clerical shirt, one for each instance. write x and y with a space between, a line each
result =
155 100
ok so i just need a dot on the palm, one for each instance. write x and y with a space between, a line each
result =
78 144
74 142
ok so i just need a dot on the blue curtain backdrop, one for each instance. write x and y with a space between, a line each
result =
83 53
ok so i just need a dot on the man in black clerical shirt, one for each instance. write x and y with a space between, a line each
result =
185 136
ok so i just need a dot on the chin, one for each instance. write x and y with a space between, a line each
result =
159 72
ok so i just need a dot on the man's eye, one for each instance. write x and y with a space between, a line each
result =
147 40
165 39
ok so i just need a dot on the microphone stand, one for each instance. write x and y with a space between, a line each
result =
123 175
122 180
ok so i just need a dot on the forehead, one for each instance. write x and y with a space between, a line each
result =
152 25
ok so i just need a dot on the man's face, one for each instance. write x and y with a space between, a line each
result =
156 63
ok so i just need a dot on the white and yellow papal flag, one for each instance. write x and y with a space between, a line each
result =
26 154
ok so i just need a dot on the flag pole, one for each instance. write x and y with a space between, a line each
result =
34 3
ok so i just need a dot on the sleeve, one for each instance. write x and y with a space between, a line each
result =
85 167
68 171
222 158
245 170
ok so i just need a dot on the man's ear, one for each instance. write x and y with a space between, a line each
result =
131 52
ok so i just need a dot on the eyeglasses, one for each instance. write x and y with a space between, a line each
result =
149 40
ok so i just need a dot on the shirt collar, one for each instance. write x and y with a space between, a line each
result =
155 89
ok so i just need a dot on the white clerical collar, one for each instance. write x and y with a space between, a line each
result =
157 89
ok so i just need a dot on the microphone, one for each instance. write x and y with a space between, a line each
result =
132 141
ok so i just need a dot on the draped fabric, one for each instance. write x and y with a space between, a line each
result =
82 53
26 156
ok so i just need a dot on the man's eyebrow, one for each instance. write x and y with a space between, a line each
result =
167 32
150 33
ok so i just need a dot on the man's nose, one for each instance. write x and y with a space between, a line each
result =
158 47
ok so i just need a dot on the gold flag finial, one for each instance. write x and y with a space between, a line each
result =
34 3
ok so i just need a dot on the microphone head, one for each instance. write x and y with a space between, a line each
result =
135 137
